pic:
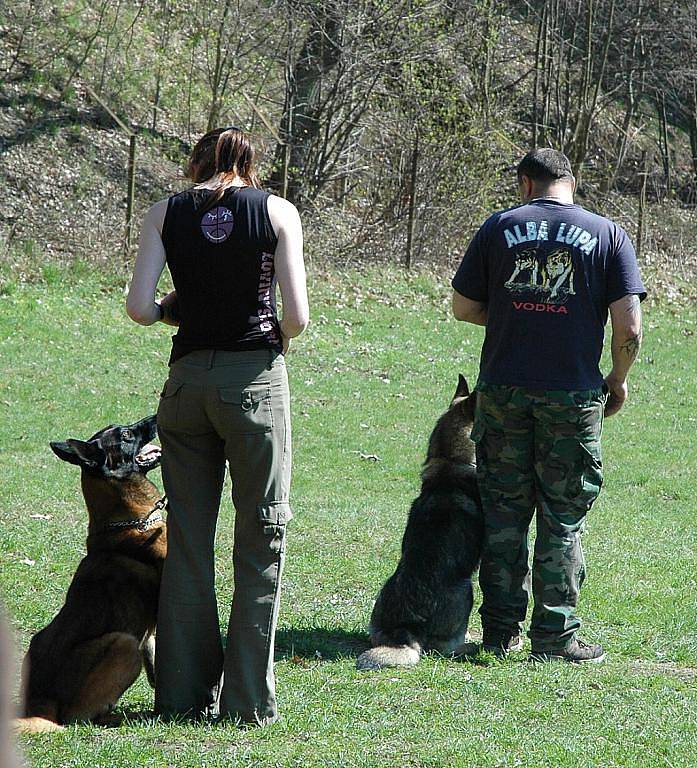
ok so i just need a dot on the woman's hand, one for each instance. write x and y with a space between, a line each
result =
170 309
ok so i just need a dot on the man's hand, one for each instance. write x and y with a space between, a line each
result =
617 395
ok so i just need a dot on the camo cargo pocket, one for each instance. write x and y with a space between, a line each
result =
274 515
587 480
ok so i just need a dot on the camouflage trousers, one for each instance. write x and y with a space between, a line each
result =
536 449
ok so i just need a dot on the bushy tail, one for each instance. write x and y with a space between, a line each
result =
35 725
388 656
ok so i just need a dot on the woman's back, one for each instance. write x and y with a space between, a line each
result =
221 258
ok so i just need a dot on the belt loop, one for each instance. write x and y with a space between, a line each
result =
271 359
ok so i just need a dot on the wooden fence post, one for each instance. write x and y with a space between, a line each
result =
131 192
412 200
641 223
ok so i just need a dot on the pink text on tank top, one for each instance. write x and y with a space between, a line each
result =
265 312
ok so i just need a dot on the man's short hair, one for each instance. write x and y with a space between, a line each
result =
545 165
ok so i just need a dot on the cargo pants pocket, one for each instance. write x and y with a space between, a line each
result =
587 478
181 408
248 410
274 515
168 409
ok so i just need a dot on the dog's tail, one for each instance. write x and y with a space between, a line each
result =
388 656
35 725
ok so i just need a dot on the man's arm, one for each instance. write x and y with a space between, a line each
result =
468 310
625 315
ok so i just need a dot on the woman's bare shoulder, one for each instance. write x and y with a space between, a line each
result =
156 213
281 211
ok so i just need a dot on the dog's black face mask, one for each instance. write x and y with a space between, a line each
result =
113 451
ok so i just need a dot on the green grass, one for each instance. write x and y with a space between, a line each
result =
376 367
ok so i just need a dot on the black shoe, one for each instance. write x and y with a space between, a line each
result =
501 644
577 652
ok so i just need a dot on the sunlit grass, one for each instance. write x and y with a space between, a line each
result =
376 367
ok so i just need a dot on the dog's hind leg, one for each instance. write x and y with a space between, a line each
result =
147 650
113 664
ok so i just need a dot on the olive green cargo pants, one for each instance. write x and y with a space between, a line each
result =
219 407
535 449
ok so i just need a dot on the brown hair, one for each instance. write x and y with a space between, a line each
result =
201 165
234 156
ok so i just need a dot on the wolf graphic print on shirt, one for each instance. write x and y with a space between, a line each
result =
550 279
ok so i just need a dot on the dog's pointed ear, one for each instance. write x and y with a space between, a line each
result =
65 452
79 452
463 389
89 454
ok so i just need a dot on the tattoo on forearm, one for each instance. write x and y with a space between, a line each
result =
633 304
631 346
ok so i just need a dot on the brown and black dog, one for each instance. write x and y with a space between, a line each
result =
426 603
82 662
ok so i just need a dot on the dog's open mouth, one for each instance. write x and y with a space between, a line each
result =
149 457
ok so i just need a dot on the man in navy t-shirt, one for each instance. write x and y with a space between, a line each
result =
541 277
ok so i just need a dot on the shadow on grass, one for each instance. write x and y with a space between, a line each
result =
321 643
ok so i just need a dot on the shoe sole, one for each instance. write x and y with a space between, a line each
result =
547 658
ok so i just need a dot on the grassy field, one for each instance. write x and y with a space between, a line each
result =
377 366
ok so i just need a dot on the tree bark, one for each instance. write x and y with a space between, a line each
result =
319 54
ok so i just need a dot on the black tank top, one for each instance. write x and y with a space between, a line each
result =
221 259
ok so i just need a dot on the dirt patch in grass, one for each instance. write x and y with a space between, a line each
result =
667 668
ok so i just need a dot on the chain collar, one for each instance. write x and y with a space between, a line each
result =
142 523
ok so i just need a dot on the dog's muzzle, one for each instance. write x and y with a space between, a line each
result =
149 457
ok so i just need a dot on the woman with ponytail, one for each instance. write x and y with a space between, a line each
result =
227 244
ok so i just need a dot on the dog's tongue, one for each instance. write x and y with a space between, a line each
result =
148 454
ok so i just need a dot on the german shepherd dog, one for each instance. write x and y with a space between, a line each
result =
81 663
427 602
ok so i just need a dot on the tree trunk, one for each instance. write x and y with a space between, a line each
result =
319 54
541 30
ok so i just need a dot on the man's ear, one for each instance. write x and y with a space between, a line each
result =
527 187
78 452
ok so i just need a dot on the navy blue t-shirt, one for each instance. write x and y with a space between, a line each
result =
548 272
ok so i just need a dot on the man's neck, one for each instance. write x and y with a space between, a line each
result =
560 193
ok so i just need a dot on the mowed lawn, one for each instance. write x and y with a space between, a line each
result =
370 376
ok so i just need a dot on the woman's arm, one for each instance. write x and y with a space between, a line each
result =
290 267
140 305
